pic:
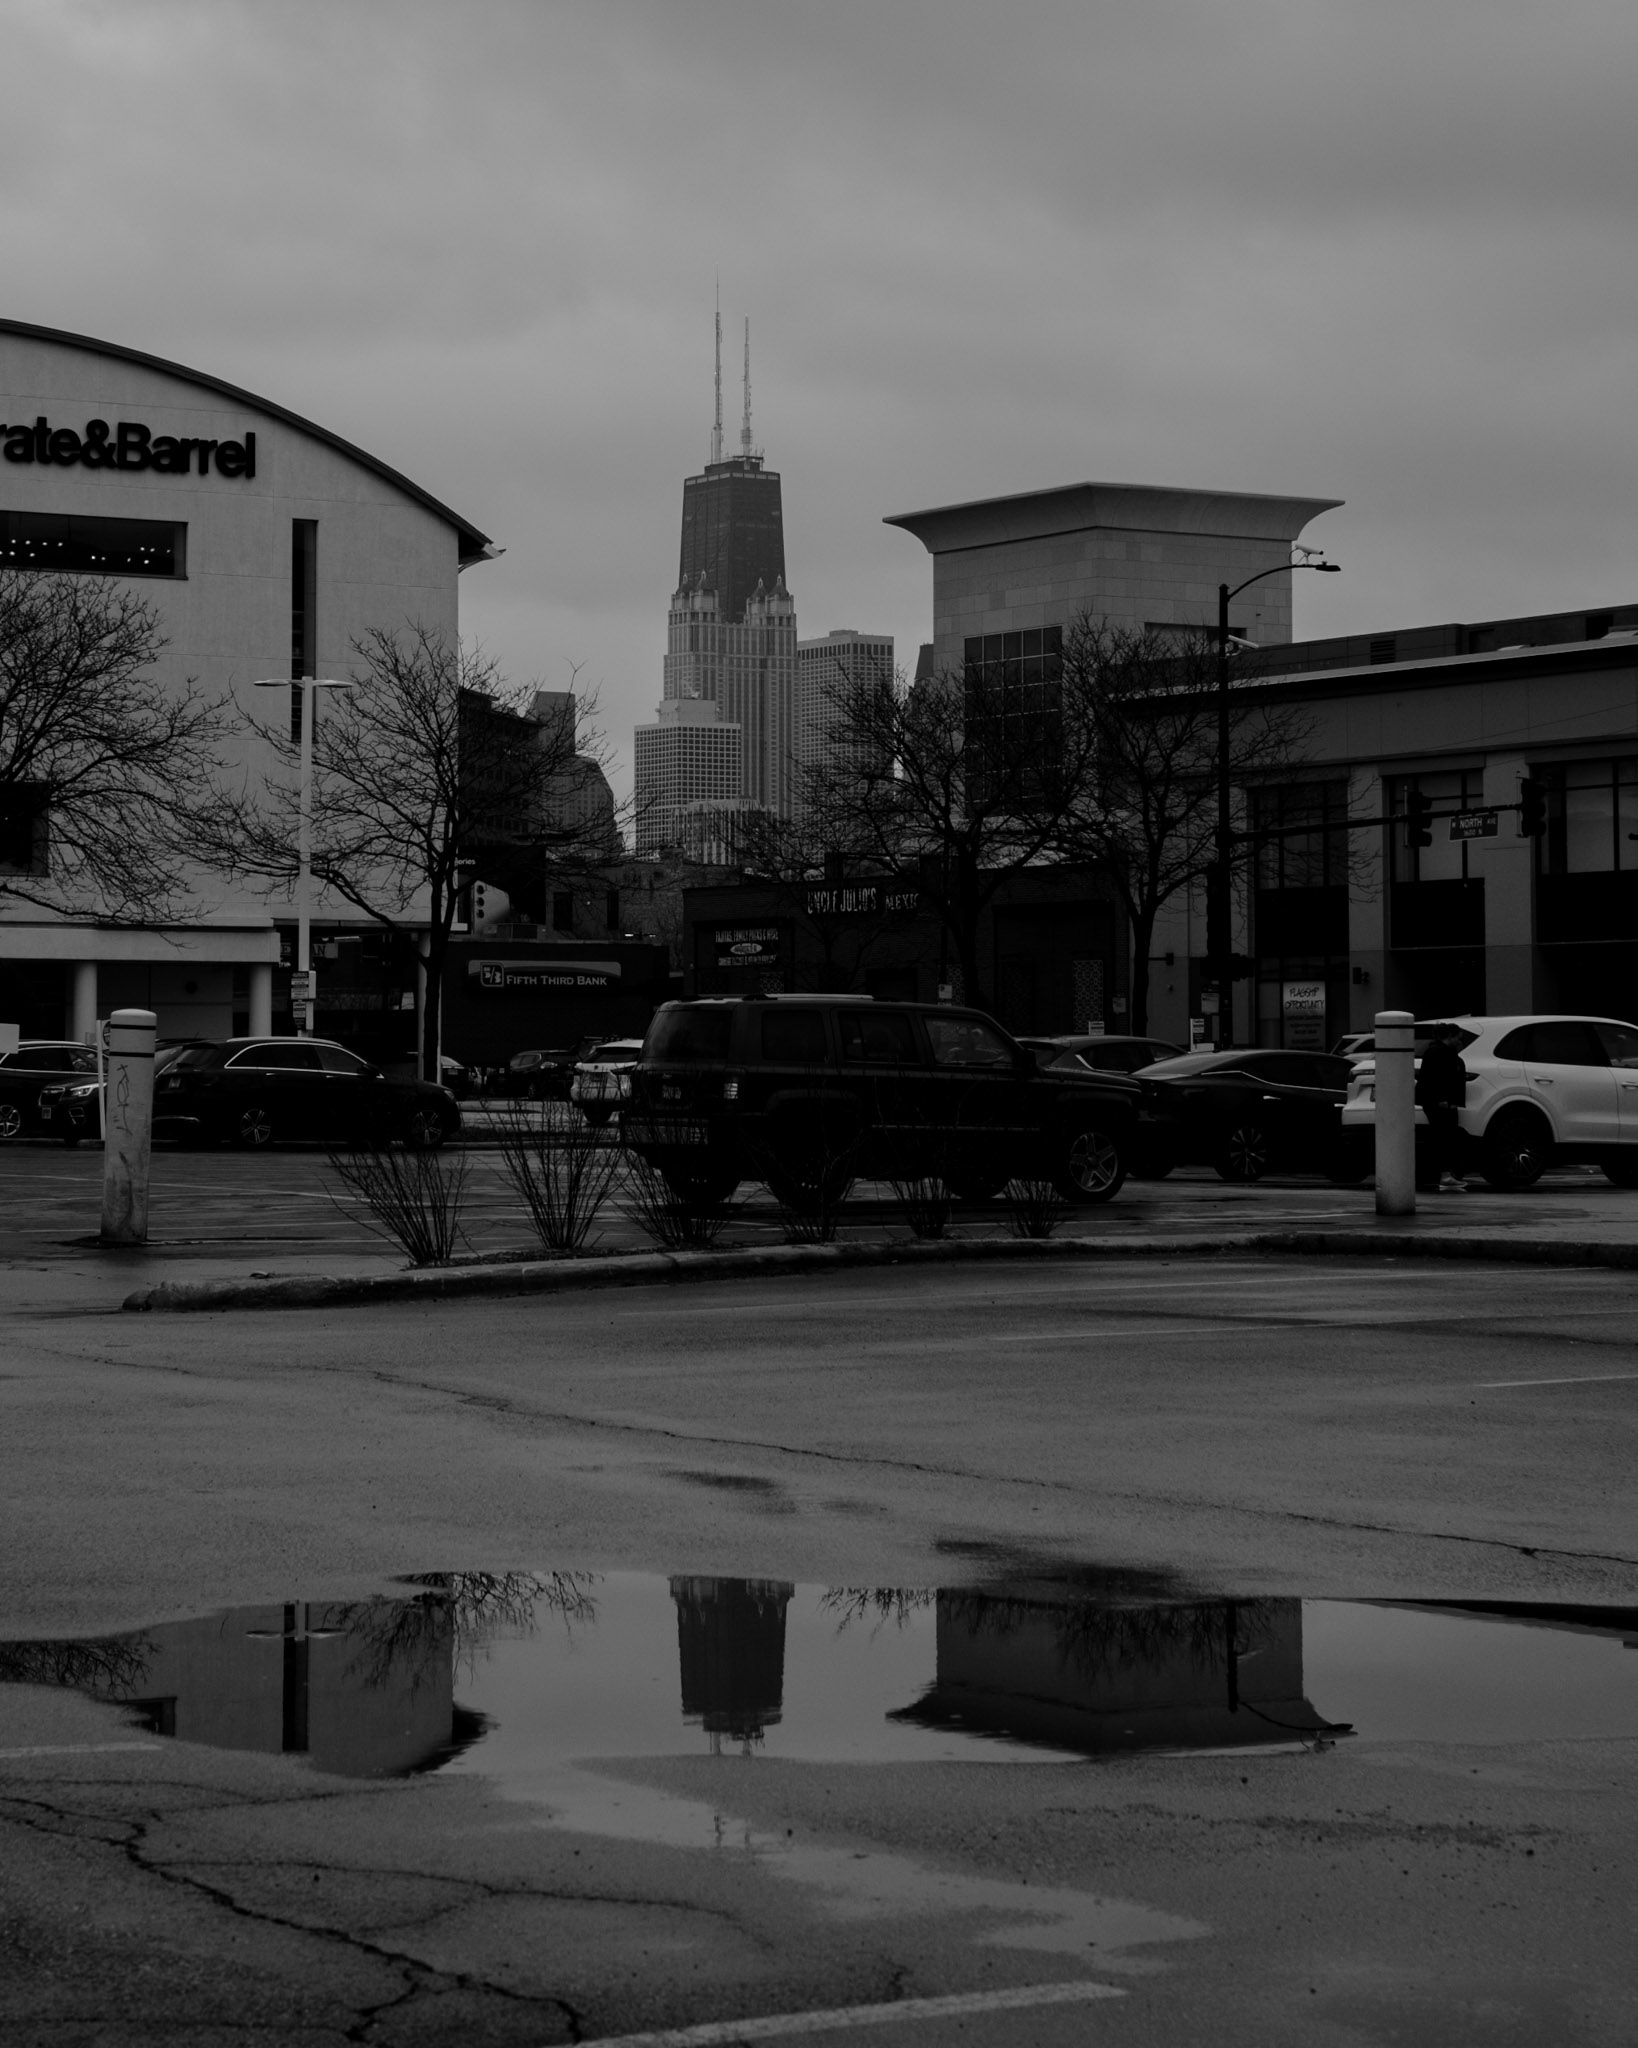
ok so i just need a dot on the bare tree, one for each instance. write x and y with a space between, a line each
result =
964 778
430 766
834 888
104 771
1143 707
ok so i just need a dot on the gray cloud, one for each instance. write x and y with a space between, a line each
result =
1376 251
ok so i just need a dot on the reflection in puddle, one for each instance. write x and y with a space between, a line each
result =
562 1676
515 1674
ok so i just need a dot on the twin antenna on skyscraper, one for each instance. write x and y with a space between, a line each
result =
745 447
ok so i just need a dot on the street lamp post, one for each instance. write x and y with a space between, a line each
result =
1220 889
309 686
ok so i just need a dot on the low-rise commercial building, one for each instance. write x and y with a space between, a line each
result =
266 545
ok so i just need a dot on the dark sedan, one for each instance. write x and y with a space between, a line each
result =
254 1091
1111 1054
37 1064
1248 1113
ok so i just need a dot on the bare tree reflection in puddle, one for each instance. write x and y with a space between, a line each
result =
362 1688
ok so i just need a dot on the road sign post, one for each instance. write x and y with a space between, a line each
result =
1395 1113
128 1090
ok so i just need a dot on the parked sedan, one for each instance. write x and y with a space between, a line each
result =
602 1081
1112 1054
1247 1112
37 1064
70 1109
545 1074
253 1091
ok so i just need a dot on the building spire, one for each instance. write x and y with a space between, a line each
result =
716 430
745 428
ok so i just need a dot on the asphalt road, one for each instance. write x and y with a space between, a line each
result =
1245 1428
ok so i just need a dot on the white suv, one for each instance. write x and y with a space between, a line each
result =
1541 1091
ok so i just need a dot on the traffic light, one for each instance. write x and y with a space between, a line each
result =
1418 818
1532 809
480 906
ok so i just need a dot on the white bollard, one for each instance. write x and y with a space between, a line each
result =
128 1039
1395 1113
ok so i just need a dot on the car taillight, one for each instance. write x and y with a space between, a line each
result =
730 1090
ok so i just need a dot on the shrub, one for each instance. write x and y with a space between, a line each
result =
925 1203
412 1199
1034 1208
673 1222
562 1170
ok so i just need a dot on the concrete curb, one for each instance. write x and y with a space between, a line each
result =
643 1269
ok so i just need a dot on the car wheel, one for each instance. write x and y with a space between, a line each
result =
11 1120
808 1191
424 1131
1092 1168
1622 1167
1243 1155
597 1118
1515 1150
252 1127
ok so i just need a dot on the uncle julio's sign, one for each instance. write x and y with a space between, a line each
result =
129 445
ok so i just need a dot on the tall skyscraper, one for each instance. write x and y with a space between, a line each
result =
823 667
730 644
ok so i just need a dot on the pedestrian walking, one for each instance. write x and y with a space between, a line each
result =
1441 1089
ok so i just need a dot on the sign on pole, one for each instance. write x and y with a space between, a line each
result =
128 1040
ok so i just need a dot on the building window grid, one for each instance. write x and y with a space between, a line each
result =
1592 817
1294 859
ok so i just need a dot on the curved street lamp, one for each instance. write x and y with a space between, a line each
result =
1220 889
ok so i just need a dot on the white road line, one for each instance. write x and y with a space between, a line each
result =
76 1749
1575 1379
784 2026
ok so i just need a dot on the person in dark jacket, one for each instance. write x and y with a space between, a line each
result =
1441 1089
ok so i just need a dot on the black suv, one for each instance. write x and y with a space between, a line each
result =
808 1092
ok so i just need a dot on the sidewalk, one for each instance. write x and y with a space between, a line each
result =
269 1228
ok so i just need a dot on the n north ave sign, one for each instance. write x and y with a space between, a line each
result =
130 445
1473 825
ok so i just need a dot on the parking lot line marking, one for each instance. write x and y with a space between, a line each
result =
787 2025
75 1749
1573 1379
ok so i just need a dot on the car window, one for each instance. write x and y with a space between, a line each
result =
884 1036
1554 1042
336 1059
1324 1070
1620 1042
285 1056
965 1042
794 1036
689 1035
81 1059
200 1056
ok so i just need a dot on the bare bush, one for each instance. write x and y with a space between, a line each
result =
563 1173
412 1199
1034 1208
925 1203
676 1223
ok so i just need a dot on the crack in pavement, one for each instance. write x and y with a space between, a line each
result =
418 1979
1196 1503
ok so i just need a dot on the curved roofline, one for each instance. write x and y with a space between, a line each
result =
473 544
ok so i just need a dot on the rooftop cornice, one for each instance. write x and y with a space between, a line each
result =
1076 508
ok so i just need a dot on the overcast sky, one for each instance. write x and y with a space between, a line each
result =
1377 250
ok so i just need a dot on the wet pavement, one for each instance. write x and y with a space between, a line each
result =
690 1801
227 1216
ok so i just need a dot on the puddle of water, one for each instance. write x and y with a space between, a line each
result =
544 1683
515 1675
